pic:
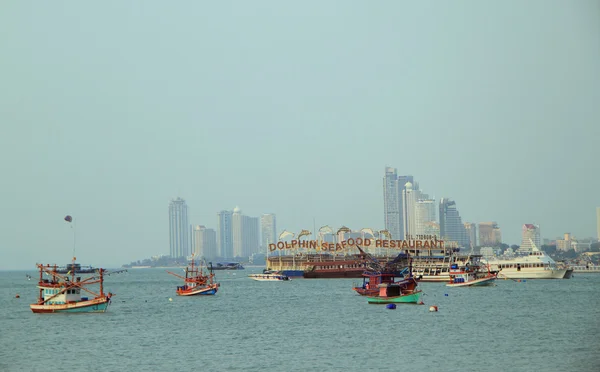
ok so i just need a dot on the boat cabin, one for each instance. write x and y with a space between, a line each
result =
389 290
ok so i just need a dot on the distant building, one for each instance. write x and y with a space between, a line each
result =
225 234
410 196
471 230
489 234
179 245
205 242
245 234
451 226
424 212
393 185
565 243
432 228
268 230
531 234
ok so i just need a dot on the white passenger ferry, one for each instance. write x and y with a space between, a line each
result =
536 265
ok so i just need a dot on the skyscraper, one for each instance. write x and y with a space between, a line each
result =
178 228
451 226
530 236
393 185
424 212
268 230
391 203
205 242
225 234
245 234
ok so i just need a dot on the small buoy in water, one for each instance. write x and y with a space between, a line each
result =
433 308
391 306
170 299
421 303
446 294
17 296
524 280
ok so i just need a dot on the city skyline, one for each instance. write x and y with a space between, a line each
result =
292 110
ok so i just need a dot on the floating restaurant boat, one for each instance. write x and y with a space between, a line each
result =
60 293
269 275
430 263
196 282
471 275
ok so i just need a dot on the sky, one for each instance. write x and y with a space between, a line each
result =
110 110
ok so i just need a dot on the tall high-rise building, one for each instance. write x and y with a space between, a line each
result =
205 242
393 185
225 234
245 234
268 230
424 212
391 203
451 226
489 234
598 221
471 230
409 201
530 235
179 245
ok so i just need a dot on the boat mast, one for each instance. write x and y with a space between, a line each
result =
101 282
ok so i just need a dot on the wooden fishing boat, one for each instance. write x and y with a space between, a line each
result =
392 293
470 276
63 293
196 282
372 280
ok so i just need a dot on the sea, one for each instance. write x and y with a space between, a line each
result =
305 325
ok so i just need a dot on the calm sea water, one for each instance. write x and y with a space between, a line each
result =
306 325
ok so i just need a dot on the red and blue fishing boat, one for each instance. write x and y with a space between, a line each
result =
474 275
196 282
70 293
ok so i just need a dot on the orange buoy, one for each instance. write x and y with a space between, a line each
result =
17 296
433 308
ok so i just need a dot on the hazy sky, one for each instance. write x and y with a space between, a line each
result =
110 109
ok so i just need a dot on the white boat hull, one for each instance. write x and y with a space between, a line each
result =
474 283
269 277
526 273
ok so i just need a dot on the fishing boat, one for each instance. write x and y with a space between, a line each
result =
196 282
378 273
269 275
470 276
372 281
393 293
60 293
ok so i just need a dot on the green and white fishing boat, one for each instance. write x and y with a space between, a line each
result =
392 293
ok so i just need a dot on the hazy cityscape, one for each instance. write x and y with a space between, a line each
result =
274 185
408 212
